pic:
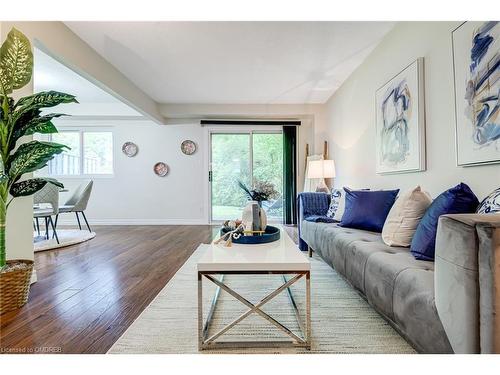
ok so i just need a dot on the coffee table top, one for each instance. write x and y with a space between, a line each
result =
281 255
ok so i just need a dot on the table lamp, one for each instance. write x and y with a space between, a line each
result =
321 169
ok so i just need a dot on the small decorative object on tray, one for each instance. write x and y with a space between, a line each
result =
161 169
130 149
231 231
188 147
252 228
249 237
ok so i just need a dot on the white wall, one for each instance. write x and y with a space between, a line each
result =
351 115
135 195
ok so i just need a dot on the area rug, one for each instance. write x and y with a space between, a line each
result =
342 321
67 237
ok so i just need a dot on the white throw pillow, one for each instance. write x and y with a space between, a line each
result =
335 196
404 217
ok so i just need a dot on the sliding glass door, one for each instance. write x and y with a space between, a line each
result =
230 163
255 158
267 169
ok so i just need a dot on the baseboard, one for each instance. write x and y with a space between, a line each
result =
72 222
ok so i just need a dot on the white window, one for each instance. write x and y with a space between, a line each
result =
91 153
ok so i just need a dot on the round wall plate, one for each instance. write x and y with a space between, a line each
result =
130 149
188 147
160 169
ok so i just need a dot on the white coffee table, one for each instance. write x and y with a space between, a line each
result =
280 257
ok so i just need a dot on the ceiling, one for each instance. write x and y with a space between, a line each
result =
234 62
49 74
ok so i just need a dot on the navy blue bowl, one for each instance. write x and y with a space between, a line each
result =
271 234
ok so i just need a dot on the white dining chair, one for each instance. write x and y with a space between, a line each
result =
77 203
48 195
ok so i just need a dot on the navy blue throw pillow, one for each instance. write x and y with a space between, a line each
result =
457 200
365 209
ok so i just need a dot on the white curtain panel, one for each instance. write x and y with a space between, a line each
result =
310 184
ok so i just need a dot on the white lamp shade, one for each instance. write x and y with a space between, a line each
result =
321 169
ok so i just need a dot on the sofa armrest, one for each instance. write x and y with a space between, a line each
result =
489 287
467 281
301 208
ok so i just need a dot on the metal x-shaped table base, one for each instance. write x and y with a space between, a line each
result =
206 342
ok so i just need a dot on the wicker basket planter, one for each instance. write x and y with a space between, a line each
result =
15 286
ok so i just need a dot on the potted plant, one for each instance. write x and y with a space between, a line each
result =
18 119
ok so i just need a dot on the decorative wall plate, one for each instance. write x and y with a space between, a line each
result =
188 147
130 149
160 169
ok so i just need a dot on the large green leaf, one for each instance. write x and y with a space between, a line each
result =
16 62
41 125
27 117
32 123
44 99
31 186
18 127
32 156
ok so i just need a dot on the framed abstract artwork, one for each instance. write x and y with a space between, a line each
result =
476 67
400 122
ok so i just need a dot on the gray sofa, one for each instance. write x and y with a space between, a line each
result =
442 307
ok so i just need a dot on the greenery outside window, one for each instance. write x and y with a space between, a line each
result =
250 157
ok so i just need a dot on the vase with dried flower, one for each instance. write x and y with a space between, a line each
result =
262 191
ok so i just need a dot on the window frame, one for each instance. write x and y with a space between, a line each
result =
81 131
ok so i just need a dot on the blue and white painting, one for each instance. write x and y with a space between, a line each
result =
476 57
490 204
400 126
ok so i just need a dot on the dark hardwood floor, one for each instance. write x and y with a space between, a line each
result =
87 295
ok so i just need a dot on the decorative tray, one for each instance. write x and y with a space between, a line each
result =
271 234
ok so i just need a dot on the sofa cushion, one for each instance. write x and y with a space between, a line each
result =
332 242
459 199
357 256
415 311
404 217
381 272
366 209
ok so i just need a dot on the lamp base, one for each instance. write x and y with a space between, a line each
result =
322 187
